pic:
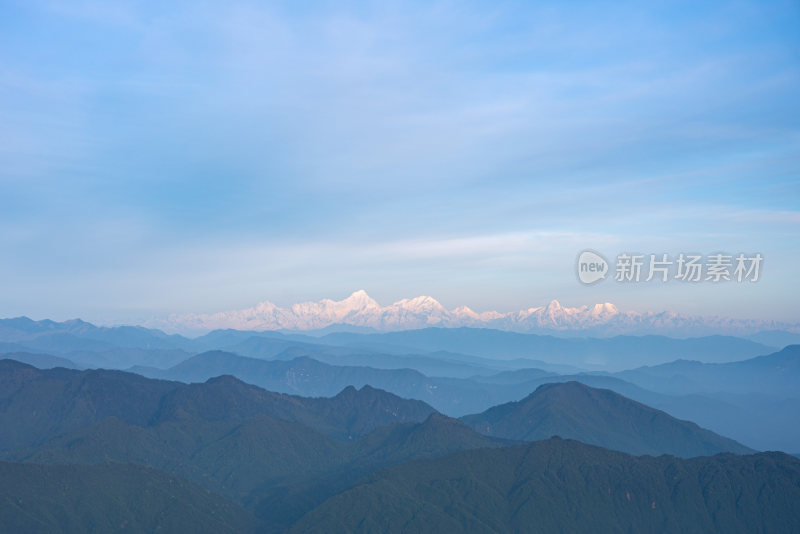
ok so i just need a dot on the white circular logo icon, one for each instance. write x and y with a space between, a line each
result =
592 267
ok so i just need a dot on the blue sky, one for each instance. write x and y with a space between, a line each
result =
197 156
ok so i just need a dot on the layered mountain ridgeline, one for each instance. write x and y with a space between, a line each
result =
776 373
756 408
346 416
38 404
761 420
755 400
309 377
42 361
79 499
279 456
561 485
42 404
776 338
235 439
599 417
452 396
613 354
439 363
755 421
80 335
125 346
497 343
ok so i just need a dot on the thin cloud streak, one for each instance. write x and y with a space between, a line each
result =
302 151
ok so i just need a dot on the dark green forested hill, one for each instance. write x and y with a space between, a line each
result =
229 457
281 505
599 417
283 457
565 486
37 405
279 469
102 498
346 416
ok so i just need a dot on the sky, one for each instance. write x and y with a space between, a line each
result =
175 157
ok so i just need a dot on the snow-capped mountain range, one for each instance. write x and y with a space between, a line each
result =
360 310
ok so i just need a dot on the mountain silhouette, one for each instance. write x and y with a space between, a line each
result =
599 417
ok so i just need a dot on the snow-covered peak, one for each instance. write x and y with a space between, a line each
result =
465 311
359 300
266 306
420 304
604 309
359 309
553 305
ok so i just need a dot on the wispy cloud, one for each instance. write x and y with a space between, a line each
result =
200 152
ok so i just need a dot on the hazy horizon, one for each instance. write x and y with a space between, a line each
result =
360 311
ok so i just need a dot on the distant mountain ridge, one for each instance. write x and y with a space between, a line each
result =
360 310
599 417
122 347
781 370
